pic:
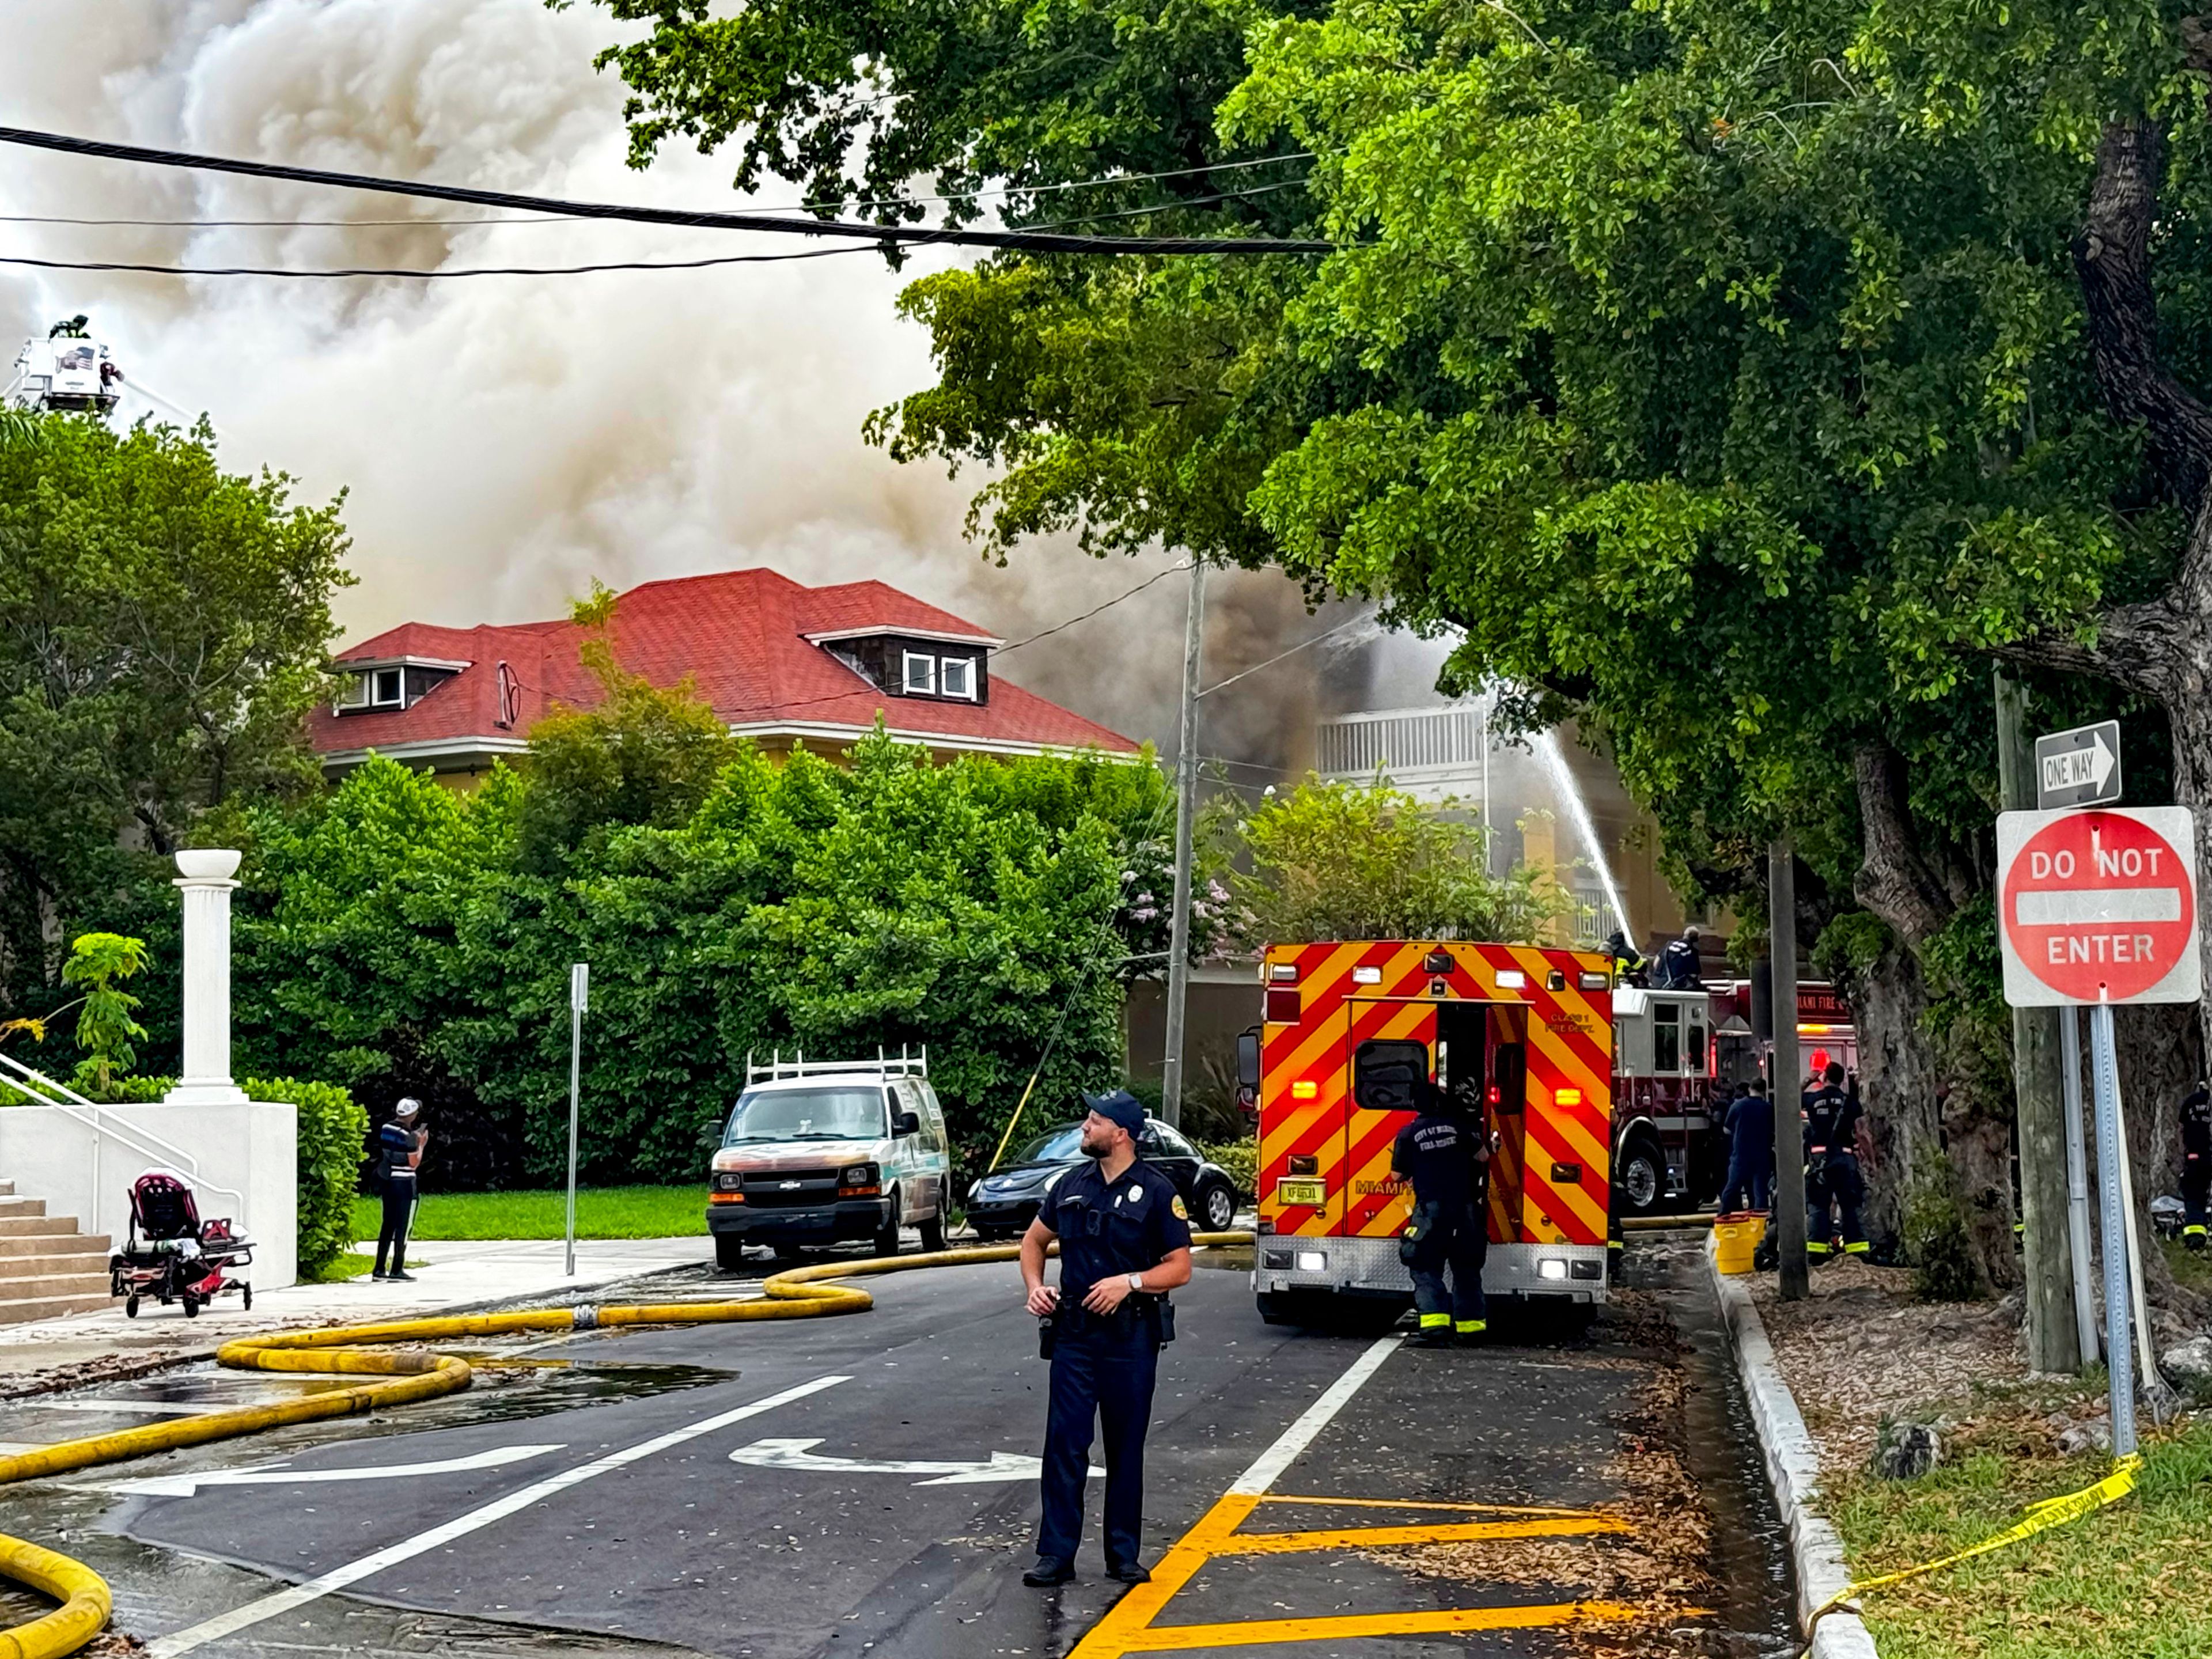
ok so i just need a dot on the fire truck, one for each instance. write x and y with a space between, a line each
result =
1521 1035
1678 1058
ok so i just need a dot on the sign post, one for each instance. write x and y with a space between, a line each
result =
579 985
2077 1185
2099 908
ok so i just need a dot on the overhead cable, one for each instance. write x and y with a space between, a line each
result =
1109 605
1101 183
1327 633
908 235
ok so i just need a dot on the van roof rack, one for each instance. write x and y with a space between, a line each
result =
780 1070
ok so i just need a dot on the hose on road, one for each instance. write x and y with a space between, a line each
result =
395 1379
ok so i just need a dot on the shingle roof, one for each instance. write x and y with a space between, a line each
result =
742 636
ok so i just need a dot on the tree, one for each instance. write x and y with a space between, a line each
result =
162 631
1342 860
1740 379
645 754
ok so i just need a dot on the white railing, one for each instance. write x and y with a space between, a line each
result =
89 1112
1402 740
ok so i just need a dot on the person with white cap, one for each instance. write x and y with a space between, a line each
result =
398 1156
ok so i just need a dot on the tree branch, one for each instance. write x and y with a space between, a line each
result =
2135 649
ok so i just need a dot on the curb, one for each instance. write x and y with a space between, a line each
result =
1793 1470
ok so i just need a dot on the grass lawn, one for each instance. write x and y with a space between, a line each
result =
601 1212
2130 1582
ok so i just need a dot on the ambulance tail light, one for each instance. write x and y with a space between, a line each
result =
1567 1096
1552 1267
1595 983
1306 1089
1512 979
1283 1006
1283 973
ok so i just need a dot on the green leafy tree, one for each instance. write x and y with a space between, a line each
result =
162 631
644 754
106 1024
1344 860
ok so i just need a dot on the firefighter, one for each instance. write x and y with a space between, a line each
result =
1750 1129
1626 959
1124 1243
2196 1162
1677 966
1832 1168
1445 1155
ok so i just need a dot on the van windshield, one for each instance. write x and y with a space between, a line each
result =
842 1112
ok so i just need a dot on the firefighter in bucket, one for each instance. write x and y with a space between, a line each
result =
1445 1154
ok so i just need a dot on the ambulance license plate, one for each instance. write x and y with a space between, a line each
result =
1311 1194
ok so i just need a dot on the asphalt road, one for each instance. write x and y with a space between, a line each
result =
879 1501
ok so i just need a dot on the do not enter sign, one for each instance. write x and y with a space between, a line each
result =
2098 906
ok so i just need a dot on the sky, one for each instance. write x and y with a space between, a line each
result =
502 441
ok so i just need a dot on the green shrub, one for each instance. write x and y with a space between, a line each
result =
1241 1158
333 1134
1936 1239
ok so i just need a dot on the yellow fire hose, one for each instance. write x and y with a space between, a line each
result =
399 1379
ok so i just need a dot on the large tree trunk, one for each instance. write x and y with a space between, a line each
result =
1889 1005
2161 1057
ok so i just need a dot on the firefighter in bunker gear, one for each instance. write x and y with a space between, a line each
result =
1124 1243
1445 1155
1831 1168
2196 1162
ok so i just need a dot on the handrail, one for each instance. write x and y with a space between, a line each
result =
147 1144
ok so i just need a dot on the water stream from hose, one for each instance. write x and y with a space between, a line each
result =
1563 782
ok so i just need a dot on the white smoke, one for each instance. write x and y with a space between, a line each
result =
504 440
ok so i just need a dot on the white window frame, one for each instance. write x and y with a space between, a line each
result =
926 686
378 701
967 667
356 695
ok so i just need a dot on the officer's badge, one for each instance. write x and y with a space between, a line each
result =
1175 1204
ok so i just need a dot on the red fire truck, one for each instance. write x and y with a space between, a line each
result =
1522 1033
1678 1058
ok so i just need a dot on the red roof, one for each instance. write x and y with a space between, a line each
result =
741 634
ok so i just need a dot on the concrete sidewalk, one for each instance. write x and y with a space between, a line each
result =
449 1275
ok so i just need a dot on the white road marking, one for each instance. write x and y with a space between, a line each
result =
799 1454
275 1474
268 1607
1268 1467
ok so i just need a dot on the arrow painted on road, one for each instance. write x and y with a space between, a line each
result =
801 1455
183 1485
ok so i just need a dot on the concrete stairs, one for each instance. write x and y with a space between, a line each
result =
46 1265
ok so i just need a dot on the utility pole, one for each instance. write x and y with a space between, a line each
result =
2053 1342
1788 1125
1186 806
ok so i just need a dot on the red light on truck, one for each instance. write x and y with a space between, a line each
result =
1282 1007
1493 1095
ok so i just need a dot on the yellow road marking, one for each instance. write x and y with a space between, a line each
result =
1463 1532
1417 1504
1344 1627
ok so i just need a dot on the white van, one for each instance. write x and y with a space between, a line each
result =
816 1152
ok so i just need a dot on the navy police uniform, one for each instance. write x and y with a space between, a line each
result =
1444 1157
1831 1171
1103 1366
396 1146
2196 1162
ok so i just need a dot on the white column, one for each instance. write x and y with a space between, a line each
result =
206 884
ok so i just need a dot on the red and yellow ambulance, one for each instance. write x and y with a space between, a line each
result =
1520 1033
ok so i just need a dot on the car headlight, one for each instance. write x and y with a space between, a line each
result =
729 1181
858 1175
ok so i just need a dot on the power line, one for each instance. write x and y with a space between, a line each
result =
430 274
1101 183
1011 241
1096 608
1269 663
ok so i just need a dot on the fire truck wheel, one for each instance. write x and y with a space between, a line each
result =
1275 1309
1640 1180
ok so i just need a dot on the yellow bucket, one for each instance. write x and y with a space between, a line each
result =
1735 1239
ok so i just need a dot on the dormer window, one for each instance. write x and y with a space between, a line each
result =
938 668
955 678
918 677
382 688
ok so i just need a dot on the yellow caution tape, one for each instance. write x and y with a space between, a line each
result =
2039 1516
403 1378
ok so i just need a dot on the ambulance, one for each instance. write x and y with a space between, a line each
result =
1521 1034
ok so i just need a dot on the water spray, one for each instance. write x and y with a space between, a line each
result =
1563 782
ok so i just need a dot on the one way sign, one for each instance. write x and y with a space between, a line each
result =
2080 767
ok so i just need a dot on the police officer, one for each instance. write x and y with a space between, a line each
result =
1446 1156
2196 1162
398 1156
1124 1243
1832 1167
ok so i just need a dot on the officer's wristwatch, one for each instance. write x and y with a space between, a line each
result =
1136 1281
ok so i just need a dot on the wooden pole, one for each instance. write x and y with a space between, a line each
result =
1788 1125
